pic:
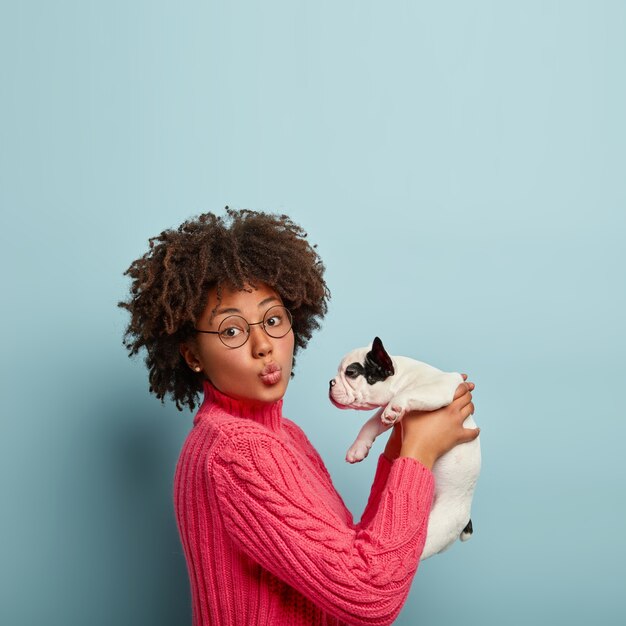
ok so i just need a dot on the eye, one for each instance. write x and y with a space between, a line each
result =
351 372
275 320
230 331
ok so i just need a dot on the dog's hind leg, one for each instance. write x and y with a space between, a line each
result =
467 532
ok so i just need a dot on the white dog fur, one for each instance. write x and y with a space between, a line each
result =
403 385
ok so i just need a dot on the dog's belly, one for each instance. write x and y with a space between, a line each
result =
456 474
457 471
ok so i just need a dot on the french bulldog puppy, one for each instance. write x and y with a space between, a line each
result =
369 378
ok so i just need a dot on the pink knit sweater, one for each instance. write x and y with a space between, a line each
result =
267 538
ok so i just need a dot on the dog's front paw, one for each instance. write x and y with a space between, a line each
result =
357 452
393 413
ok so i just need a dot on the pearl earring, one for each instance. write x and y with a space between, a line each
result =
197 368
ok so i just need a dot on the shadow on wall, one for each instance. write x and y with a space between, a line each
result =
125 562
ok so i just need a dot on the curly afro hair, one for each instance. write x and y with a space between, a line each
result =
171 281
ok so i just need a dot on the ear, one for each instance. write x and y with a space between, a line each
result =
189 354
378 363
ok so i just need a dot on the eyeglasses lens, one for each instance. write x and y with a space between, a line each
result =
235 330
277 321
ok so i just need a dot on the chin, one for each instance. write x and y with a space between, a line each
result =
273 394
265 393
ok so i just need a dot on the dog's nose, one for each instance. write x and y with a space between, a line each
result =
332 382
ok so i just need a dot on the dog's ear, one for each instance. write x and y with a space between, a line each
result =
379 355
378 364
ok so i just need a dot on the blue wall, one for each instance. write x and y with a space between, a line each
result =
461 166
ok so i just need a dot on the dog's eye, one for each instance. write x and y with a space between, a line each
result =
352 372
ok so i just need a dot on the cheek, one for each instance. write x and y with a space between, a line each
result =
287 346
222 364
358 388
288 354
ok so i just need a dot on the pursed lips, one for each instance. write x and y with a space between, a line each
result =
271 373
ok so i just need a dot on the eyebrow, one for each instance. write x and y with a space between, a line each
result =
233 310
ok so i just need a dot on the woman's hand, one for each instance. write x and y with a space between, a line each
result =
427 435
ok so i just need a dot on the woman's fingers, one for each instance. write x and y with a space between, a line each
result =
460 390
460 401
462 407
463 388
470 434
467 410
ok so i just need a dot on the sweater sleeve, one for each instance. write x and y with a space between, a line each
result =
380 477
380 480
284 519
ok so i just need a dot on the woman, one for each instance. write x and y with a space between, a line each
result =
221 305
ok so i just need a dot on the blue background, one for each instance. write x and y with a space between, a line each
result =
461 166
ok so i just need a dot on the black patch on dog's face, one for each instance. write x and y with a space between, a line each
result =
354 370
378 364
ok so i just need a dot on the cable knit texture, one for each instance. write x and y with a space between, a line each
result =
267 538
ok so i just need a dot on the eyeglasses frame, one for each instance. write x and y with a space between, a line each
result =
262 323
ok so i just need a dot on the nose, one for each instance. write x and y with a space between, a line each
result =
333 382
260 342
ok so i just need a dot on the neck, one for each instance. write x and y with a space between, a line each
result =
267 413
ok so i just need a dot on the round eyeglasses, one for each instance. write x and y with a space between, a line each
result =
234 330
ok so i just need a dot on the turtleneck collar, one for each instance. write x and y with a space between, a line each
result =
269 414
